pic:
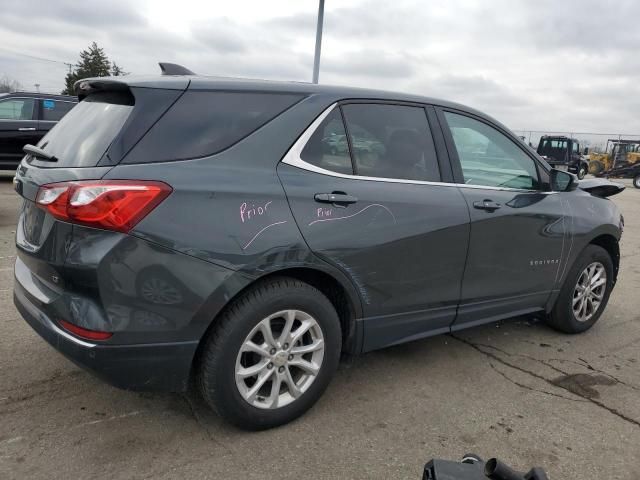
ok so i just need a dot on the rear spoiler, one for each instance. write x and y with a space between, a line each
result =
600 187
173 77
83 88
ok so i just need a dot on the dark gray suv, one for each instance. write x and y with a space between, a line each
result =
245 233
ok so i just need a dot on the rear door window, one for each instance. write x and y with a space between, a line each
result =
328 147
391 141
202 123
53 110
17 109
82 136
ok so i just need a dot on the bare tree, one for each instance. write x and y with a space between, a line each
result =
8 85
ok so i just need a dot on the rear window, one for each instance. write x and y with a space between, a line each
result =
203 123
83 135
54 110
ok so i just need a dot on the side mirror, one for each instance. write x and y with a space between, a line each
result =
562 181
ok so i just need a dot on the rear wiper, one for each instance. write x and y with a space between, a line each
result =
39 153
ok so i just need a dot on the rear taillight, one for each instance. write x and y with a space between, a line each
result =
108 204
84 332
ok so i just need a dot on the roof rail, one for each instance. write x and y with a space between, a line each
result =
174 69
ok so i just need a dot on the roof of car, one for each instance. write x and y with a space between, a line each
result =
202 82
40 95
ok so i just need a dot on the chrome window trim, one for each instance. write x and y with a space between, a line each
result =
293 158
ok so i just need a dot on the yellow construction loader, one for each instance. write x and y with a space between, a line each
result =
617 154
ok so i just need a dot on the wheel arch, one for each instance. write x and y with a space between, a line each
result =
338 290
611 244
347 305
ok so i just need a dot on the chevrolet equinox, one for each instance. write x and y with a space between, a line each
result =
244 234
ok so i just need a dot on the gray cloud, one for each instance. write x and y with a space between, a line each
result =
368 63
558 65
223 36
78 14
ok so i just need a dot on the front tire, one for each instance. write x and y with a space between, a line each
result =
595 167
636 181
585 292
271 355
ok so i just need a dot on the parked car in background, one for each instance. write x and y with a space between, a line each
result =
26 118
214 234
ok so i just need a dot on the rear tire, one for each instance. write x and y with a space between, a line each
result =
636 181
582 172
290 382
578 308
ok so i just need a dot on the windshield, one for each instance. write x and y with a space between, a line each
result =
84 134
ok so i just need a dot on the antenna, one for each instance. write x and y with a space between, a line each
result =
174 69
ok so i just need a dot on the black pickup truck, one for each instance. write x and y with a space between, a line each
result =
25 118
563 153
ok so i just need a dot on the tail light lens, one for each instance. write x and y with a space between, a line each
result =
108 204
84 332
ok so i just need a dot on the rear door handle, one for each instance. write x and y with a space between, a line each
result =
338 198
27 129
488 205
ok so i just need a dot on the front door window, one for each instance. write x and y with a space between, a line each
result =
488 157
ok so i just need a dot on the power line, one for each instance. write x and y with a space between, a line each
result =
39 58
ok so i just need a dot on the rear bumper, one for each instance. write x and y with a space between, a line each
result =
147 367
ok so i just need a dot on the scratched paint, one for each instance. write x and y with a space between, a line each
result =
251 212
331 218
356 279
260 233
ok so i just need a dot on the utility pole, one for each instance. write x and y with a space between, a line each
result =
316 58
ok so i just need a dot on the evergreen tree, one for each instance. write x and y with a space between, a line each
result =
116 71
93 63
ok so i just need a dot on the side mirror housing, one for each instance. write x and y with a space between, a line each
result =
586 151
562 181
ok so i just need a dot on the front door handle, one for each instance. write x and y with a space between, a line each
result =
27 129
337 198
486 204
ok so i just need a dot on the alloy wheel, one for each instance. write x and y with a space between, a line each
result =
280 359
589 291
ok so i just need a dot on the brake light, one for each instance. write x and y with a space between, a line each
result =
108 204
84 332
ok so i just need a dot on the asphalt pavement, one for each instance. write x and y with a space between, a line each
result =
516 390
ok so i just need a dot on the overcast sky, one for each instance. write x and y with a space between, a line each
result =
569 65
